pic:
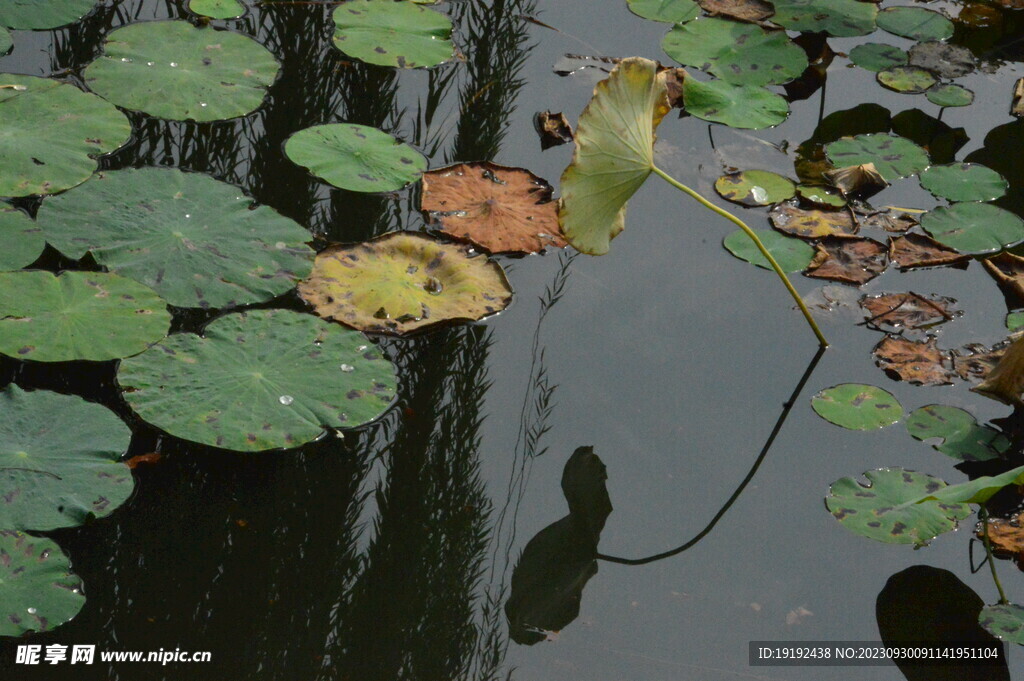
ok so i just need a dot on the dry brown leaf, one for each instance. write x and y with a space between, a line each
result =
890 221
553 129
811 223
920 250
863 180
849 260
1006 536
917 362
1008 271
974 361
500 209
753 11
1005 381
150 458
1017 108
674 78
897 311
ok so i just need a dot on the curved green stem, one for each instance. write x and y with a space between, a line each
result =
757 242
983 512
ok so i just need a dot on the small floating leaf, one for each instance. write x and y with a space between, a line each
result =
950 94
916 362
1015 320
961 436
792 255
811 223
920 250
895 312
915 23
355 157
943 59
43 14
848 260
877 56
553 128
392 33
670 11
6 41
857 406
738 106
37 589
217 9
1005 621
22 239
826 197
906 79
964 182
893 156
755 188
974 228
840 18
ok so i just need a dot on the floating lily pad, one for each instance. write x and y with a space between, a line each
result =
670 11
857 406
877 56
22 239
501 209
826 197
916 362
741 10
355 157
958 431
738 106
741 54
614 154
392 33
1015 320
792 255
401 282
52 133
171 69
915 23
38 592
920 250
217 9
43 14
1005 621
974 228
810 223
964 182
59 461
894 157
259 380
896 312
950 94
850 260
77 315
943 59
883 509
196 241
906 79
6 41
755 188
840 18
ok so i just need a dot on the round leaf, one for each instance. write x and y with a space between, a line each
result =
670 11
964 182
38 592
894 157
401 282
883 510
906 79
194 240
43 14
950 94
217 9
974 228
259 380
1005 621
755 188
171 69
792 255
738 106
961 436
77 315
392 33
826 197
877 57
22 239
841 18
857 406
1015 320
6 41
943 59
915 23
52 133
59 460
355 157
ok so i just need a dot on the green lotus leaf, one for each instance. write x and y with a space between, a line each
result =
52 133
950 94
614 154
171 69
755 188
738 106
1015 320
43 14
38 592
916 23
401 282
737 53
355 157
59 460
670 11
962 438
78 315
857 406
257 380
976 491
894 157
391 33
6 41
196 241
840 18
974 228
821 196
877 56
906 79
217 9
884 509
22 239
964 182
1005 621
793 255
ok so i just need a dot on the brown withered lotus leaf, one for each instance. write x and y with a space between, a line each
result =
890 221
863 180
920 250
674 78
1008 271
848 260
1017 107
753 11
974 361
898 311
1005 381
811 223
917 362
553 129
500 209
1006 536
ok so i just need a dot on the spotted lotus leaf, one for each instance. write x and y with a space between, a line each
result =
43 14
22 239
916 23
392 33
217 9
1005 621
738 106
841 18
893 156
907 79
877 56
755 188
857 406
38 591
958 433
974 228
964 182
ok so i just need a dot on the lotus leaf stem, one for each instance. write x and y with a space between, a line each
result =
983 512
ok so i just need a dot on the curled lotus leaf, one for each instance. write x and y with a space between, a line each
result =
1008 271
23 240
52 134
793 255
59 461
893 156
840 18
1005 621
957 431
38 591
1006 537
553 129
964 182
217 9
907 79
401 282
917 362
916 23
974 228
614 154
877 56
501 209
857 406
174 70
669 11
738 106
755 188
811 223
950 94
258 380
43 14
391 33
920 250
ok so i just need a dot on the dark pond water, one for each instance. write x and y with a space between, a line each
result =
388 554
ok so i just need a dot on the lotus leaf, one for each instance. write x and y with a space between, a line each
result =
738 106
896 312
811 223
737 53
59 460
196 241
826 197
1005 621
964 182
355 157
792 255
77 315
22 239
916 362
884 509
974 228
906 79
402 282
742 10
392 33
614 154
6 41
1008 271
962 438
755 188
950 94
43 14
217 9
877 56
857 406
670 11
977 491
841 18
920 250
38 592
171 69
257 380
943 59
915 23
894 157
52 133
851 260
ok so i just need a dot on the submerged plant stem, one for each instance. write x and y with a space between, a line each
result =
983 512
757 242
